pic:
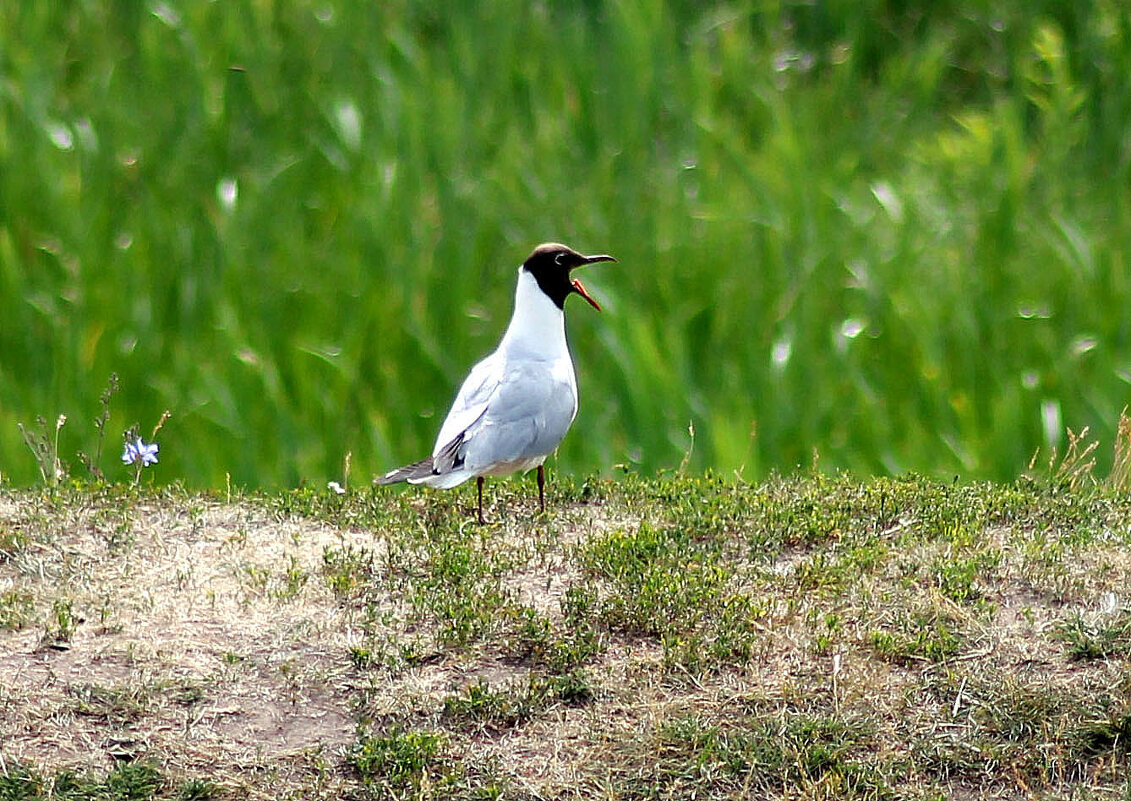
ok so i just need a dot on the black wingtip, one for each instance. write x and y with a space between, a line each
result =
415 470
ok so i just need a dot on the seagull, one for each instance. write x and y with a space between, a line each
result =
517 404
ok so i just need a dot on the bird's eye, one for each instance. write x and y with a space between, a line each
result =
559 259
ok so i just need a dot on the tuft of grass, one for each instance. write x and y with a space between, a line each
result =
499 708
661 580
1075 468
1120 476
1036 729
119 705
1086 638
346 569
917 635
63 622
43 442
765 754
11 542
458 583
19 783
413 764
1109 735
198 790
667 584
17 609
291 582
963 579
399 760
481 707
129 781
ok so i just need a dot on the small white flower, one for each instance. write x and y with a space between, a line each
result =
336 488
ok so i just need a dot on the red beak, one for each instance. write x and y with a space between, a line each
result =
579 288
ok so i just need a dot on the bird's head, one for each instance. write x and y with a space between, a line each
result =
551 263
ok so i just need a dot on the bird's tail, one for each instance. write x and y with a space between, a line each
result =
410 472
442 463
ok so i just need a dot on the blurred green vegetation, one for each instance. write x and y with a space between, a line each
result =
893 234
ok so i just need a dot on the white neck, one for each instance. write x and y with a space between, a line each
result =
538 326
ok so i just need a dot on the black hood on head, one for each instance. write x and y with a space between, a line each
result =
551 263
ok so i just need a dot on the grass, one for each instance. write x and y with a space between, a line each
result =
808 637
894 234
129 782
1109 636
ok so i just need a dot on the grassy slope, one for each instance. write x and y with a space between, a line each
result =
678 637
896 233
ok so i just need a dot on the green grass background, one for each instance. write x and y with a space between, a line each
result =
896 234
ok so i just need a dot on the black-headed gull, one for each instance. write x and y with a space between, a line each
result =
517 404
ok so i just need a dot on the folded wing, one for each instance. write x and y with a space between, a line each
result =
505 418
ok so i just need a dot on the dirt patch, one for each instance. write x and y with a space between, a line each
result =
205 632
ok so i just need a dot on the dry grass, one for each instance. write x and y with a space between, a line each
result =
675 638
189 644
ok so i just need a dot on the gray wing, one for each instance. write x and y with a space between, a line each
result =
526 418
471 400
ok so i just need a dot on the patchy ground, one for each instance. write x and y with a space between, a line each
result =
670 638
182 637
